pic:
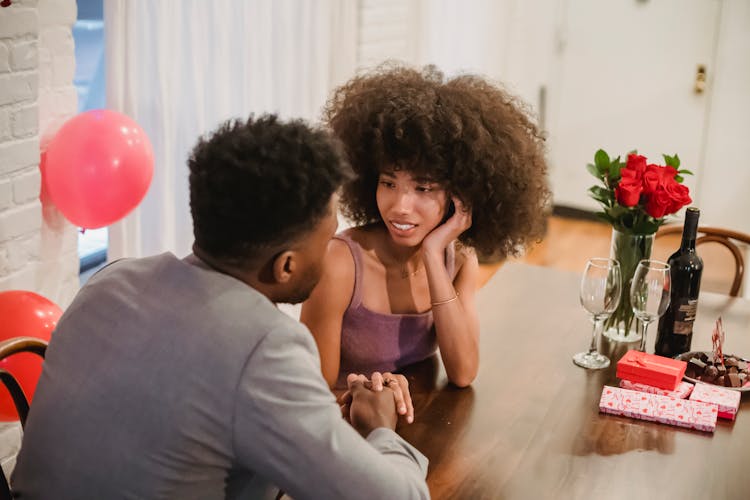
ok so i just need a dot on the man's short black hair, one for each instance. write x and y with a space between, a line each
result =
261 183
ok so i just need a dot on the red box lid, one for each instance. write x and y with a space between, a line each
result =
651 369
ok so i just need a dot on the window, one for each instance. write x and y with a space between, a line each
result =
88 34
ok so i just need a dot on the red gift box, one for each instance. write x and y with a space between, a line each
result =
664 409
650 369
727 400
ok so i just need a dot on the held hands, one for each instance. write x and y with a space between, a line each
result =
443 234
377 402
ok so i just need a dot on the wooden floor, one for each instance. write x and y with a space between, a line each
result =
569 243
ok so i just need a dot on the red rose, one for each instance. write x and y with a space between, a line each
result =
636 163
658 203
629 176
679 195
652 178
628 192
668 173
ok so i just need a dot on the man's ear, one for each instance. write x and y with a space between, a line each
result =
284 266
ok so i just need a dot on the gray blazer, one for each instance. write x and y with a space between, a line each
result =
166 379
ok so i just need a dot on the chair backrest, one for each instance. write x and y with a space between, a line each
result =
8 348
732 240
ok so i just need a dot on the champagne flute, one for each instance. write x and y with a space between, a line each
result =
601 286
649 293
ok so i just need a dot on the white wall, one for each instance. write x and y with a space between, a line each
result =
528 45
724 185
37 245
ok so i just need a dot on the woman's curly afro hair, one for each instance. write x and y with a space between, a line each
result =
465 133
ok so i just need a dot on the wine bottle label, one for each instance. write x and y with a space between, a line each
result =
684 316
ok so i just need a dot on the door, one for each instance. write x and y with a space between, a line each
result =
625 78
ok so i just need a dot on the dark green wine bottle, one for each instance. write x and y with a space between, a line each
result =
676 325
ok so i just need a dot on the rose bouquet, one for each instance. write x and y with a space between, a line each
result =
635 196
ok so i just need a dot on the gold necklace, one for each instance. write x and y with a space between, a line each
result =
408 274
404 268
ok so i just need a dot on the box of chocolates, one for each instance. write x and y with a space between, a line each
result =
650 369
727 400
683 389
663 409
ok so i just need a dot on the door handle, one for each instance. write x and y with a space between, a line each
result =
700 79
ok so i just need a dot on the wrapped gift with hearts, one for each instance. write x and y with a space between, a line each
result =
727 400
663 409
683 389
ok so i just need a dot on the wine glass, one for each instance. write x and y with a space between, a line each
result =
601 286
649 293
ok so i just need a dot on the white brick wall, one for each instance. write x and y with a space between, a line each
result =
6 194
23 56
37 245
4 58
24 121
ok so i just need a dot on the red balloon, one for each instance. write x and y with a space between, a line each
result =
25 314
98 168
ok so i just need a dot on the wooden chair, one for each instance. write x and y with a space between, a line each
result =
724 237
8 348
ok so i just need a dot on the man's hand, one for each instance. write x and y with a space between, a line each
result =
377 382
367 409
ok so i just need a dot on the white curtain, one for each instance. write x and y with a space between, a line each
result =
181 67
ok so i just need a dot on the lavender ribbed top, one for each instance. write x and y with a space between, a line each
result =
372 341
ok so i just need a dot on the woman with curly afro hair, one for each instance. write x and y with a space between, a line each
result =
446 169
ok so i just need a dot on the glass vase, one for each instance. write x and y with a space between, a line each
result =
628 250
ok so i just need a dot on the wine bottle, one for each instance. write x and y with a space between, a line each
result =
676 325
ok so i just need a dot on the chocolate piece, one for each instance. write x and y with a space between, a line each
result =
697 365
742 365
711 372
732 369
732 380
703 356
722 370
720 380
730 361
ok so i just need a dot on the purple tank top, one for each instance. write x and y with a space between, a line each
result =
372 341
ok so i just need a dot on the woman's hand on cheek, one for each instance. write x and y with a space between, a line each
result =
440 237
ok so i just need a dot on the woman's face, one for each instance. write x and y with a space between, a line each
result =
410 207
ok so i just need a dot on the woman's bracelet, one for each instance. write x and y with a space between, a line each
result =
441 302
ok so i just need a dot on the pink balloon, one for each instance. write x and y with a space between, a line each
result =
98 168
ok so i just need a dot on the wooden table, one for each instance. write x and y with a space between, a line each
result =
529 426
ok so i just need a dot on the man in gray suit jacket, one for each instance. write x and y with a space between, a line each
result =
179 378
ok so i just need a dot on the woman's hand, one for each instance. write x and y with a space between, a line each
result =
377 382
440 237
